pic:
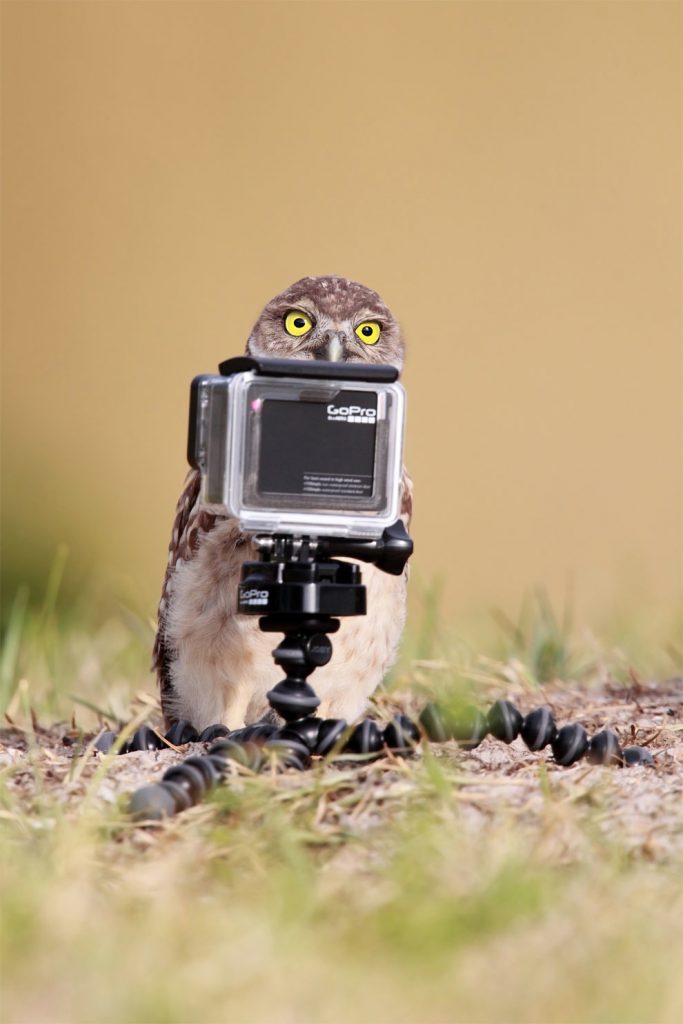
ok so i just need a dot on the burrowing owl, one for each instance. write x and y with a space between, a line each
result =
213 664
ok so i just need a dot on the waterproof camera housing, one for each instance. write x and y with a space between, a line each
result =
300 447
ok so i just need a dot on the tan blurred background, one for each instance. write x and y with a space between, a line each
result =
507 175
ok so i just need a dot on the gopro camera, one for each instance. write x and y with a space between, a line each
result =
300 447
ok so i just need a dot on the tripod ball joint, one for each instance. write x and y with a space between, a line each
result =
330 733
182 732
366 739
306 729
604 748
538 729
189 777
257 733
247 753
467 725
634 756
211 772
504 721
433 724
401 736
289 749
105 742
144 738
293 699
570 744
153 803
213 732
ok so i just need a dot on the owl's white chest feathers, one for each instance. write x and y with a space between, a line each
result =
222 668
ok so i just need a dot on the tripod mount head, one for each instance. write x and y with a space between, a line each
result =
302 575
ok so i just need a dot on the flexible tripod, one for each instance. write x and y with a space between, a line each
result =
304 591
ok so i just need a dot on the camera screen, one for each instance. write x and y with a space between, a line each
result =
318 449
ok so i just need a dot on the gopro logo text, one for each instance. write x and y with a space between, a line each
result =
252 597
351 413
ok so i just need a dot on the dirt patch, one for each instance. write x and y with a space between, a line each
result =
641 807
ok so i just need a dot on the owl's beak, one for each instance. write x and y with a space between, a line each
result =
334 350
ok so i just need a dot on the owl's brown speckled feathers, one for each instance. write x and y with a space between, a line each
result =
213 664
336 307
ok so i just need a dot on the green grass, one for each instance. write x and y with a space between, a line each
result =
243 910
380 894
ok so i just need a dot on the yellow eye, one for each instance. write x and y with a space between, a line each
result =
297 323
368 332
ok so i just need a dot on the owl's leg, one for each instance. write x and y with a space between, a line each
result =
205 693
216 676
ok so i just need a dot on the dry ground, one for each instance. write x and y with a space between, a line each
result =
479 886
643 807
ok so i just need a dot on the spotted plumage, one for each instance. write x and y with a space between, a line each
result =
214 665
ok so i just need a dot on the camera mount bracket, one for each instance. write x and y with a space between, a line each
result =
304 591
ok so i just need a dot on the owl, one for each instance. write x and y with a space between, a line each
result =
213 664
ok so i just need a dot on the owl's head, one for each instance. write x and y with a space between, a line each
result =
328 318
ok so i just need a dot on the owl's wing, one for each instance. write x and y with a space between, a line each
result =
191 522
